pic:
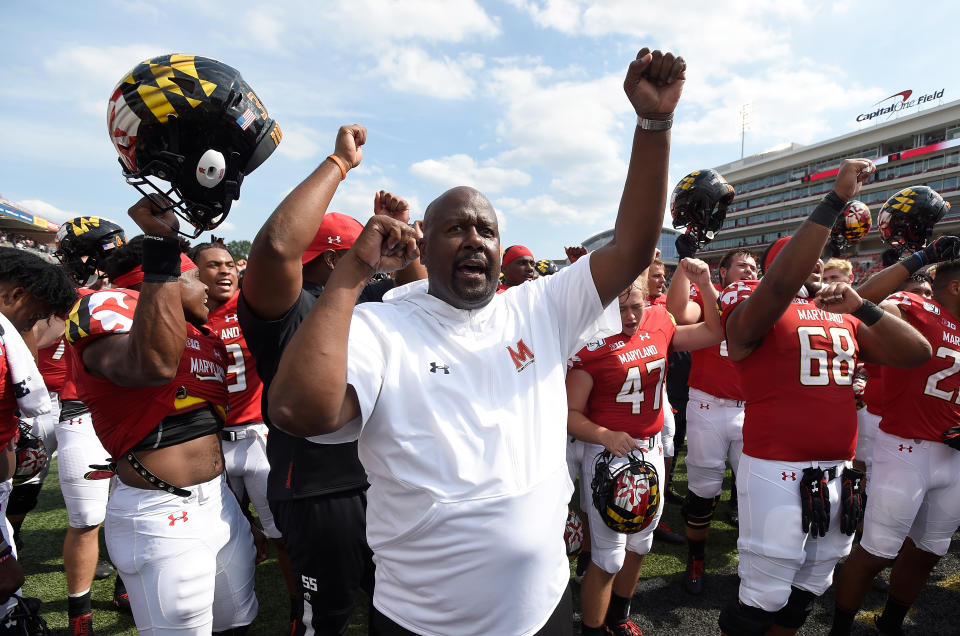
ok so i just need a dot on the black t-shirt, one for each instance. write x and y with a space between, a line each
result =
300 468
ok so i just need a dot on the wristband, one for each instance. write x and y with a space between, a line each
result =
655 123
868 313
161 255
829 209
913 262
343 169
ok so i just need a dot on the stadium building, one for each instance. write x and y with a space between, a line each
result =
775 191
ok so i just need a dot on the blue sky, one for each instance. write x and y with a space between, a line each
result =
520 98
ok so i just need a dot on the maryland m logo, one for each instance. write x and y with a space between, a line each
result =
522 356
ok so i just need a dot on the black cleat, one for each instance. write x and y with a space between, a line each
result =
673 496
663 533
693 580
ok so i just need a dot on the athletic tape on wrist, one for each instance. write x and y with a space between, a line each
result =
828 211
161 255
868 313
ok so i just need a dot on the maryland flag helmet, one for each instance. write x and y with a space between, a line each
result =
32 457
906 220
573 534
852 225
195 123
545 267
627 496
84 243
699 202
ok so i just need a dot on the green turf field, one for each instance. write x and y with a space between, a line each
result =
44 529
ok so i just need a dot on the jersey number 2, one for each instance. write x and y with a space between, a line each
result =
632 391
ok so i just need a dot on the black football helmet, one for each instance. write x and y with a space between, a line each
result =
699 203
24 619
626 496
191 121
32 457
906 220
84 243
545 267
852 225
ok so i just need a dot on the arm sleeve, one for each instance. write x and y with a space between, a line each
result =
366 356
573 298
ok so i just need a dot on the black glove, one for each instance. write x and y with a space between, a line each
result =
853 499
814 502
687 245
890 256
943 248
951 437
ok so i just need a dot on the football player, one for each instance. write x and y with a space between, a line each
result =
244 439
614 397
83 245
714 412
838 270
794 351
518 266
154 380
913 509
31 289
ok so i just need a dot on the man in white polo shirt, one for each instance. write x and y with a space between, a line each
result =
457 391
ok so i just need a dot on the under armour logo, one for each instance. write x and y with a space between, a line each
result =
333 239
909 448
173 519
704 406
814 489
792 476
230 318
435 367
643 336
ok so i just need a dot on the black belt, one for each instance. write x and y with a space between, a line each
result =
833 472
153 479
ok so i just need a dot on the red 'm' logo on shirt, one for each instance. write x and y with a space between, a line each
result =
522 356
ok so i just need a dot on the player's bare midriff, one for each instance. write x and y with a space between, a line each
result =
185 464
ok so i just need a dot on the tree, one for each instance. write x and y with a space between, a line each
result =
238 249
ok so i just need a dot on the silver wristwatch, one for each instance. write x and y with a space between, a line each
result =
655 124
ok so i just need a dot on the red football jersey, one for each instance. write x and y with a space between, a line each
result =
921 403
873 394
122 416
798 384
628 375
243 383
52 362
711 369
8 402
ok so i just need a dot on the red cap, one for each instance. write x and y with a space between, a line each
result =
514 252
337 232
773 250
135 275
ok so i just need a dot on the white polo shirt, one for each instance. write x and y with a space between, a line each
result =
464 439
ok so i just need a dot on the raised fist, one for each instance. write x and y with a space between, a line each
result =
386 245
654 82
149 215
853 173
349 141
575 252
391 205
840 298
696 270
943 248
686 245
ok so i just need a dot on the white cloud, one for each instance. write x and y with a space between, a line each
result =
97 66
48 210
543 207
300 142
412 70
377 21
461 169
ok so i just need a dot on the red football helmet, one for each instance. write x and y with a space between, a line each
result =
852 225
573 534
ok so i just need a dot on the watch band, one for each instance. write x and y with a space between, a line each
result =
655 124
